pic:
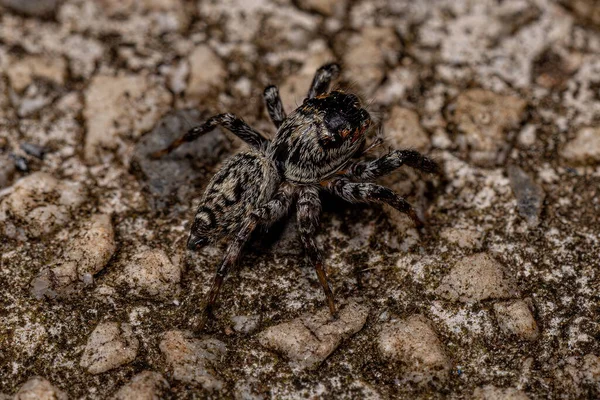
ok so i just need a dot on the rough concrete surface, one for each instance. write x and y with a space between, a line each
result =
496 298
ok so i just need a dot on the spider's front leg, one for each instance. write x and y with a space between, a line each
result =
309 208
274 105
322 80
364 192
371 170
265 215
234 124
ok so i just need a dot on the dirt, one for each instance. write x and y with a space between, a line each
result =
505 95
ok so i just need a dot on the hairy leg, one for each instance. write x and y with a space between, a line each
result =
322 79
370 170
363 192
309 208
265 215
236 125
274 105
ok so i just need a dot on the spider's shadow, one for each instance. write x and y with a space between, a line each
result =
282 236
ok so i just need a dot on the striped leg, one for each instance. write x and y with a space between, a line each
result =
236 125
265 215
363 192
309 208
322 80
274 105
370 170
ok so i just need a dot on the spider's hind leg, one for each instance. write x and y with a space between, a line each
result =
322 80
309 208
265 215
234 124
364 192
274 105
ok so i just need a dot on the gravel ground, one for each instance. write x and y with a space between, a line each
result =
497 298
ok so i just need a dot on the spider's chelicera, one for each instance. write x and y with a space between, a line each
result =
312 151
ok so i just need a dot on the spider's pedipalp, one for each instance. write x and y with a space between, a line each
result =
274 105
322 79
365 192
236 125
309 208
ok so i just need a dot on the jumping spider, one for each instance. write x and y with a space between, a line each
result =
312 151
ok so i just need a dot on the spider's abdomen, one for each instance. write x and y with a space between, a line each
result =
246 181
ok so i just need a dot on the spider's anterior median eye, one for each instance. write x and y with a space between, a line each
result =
335 122
336 129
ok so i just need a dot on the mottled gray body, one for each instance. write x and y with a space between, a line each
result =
312 151
246 181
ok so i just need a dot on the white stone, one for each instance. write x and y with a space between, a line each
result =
111 345
41 203
403 130
146 385
118 107
476 278
38 388
193 360
245 323
308 340
515 318
414 343
584 148
151 274
207 72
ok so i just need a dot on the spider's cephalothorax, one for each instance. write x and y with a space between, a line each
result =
319 137
312 151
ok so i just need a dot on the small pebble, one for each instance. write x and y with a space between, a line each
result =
515 318
193 360
38 388
308 340
151 274
476 278
484 119
413 343
146 385
41 203
109 346
20 163
85 254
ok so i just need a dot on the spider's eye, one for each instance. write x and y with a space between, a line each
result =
335 122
